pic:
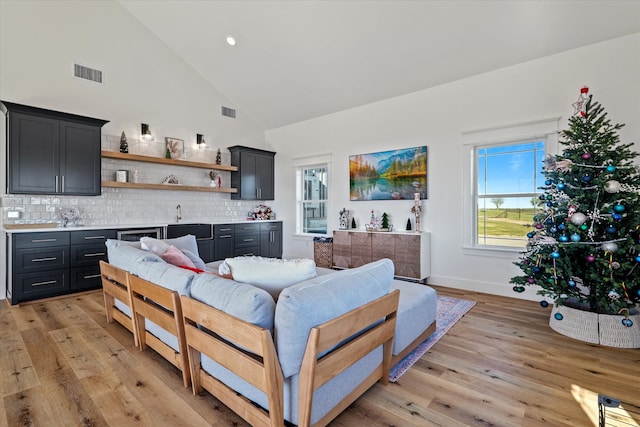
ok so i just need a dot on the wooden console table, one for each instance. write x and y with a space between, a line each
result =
410 252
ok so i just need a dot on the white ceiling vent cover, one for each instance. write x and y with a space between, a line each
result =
229 112
87 73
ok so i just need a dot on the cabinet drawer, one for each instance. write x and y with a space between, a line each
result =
41 240
85 278
91 236
88 255
244 240
247 228
271 226
40 259
247 251
30 286
226 229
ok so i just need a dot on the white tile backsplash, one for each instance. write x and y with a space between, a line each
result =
123 206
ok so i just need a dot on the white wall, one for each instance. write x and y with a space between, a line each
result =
144 82
437 118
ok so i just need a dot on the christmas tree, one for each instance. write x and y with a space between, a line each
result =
585 249
124 147
385 220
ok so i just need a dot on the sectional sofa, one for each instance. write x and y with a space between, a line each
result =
302 353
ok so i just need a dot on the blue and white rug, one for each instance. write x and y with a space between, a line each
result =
448 312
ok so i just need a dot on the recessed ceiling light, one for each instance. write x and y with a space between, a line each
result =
231 41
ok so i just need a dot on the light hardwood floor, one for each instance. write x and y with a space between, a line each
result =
501 365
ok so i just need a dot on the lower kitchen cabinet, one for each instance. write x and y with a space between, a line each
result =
46 264
246 239
271 239
223 241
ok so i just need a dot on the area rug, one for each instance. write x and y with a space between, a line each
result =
448 312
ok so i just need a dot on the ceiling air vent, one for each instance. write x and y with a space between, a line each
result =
87 73
229 112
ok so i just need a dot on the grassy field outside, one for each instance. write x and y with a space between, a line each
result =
504 226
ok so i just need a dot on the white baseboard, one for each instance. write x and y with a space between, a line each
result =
501 289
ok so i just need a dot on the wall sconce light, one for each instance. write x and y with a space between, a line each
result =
145 134
200 140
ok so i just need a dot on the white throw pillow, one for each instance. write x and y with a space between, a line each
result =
270 274
187 244
156 246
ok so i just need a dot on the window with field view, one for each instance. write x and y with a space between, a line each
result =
313 187
507 191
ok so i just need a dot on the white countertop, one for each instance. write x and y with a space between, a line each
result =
32 228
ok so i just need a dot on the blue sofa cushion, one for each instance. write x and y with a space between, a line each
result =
313 302
241 300
149 266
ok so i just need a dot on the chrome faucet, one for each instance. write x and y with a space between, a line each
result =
178 213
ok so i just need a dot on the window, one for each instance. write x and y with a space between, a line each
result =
502 175
506 197
312 199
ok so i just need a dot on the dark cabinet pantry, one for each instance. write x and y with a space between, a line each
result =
50 152
255 176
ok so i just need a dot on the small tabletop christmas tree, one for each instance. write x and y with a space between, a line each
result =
385 220
124 146
585 245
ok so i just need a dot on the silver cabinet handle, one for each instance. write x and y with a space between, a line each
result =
62 184
93 237
92 276
94 254
48 282
225 229
224 237
44 259
56 183
247 240
42 240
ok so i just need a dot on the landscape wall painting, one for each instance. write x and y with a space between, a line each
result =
389 175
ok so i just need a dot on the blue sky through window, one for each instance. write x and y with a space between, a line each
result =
510 170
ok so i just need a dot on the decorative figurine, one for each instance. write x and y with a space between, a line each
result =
214 181
218 158
416 209
344 219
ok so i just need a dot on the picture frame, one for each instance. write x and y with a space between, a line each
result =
389 175
175 147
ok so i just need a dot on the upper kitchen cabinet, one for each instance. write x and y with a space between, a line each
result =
49 152
254 179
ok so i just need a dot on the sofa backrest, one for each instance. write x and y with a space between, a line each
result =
149 266
315 301
244 301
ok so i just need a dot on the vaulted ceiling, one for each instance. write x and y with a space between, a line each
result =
295 60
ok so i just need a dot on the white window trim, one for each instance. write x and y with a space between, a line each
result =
539 129
299 163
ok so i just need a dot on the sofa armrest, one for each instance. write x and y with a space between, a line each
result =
245 349
331 349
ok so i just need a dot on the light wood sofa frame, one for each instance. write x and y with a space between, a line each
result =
161 306
115 285
147 301
252 357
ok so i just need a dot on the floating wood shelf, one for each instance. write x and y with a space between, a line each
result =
163 161
170 187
